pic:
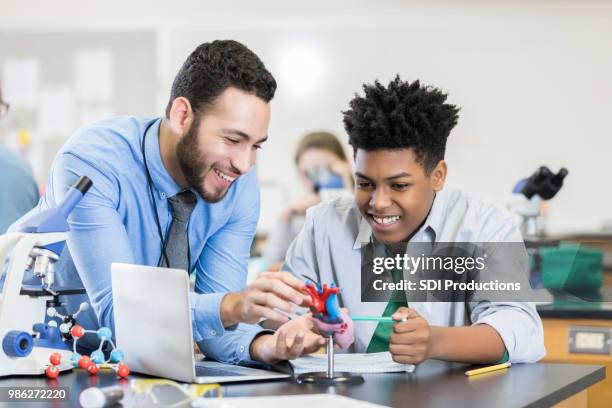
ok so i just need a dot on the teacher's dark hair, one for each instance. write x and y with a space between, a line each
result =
215 66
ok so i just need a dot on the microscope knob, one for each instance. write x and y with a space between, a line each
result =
51 312
41 328
17 343
47 331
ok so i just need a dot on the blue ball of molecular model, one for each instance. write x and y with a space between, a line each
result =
117 356
104 333
75 359
97 357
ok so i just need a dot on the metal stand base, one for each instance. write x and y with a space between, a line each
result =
321 378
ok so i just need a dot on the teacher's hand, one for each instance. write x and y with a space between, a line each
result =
271 290
292 340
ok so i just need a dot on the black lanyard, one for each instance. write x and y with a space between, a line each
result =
150 185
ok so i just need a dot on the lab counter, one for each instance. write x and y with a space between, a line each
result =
579 311
574 308
433 384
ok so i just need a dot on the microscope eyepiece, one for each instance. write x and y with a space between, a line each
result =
83 184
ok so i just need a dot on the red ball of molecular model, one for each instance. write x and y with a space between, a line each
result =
52 370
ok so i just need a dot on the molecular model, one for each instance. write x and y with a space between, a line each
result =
70 330
67 321
92 363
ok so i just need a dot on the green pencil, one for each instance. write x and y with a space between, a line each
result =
374 319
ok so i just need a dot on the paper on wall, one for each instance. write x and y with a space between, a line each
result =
274 199
93 75
21 82
56 112
89 115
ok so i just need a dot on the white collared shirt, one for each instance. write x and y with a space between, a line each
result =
328 249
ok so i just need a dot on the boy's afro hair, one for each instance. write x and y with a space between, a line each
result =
402 115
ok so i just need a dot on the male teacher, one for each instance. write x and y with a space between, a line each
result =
181 191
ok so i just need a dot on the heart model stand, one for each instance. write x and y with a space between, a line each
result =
337 326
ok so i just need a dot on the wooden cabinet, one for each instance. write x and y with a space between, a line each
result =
556 334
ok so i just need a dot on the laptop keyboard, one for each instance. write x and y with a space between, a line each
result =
216 372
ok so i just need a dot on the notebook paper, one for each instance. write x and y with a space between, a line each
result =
351 363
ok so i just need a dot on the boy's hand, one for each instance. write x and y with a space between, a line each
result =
410 342
344 333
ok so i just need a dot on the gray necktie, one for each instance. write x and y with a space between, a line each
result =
177 240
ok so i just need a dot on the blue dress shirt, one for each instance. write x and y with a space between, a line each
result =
115 222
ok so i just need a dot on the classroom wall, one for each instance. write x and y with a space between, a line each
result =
531 92
73 14
532 78
80 77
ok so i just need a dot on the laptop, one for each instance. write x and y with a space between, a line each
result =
153 328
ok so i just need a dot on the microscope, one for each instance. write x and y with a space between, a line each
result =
528 195
526 200
27 341
326 183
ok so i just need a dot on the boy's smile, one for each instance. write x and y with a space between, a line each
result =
394 192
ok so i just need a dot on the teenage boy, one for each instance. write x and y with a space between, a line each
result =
398 133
